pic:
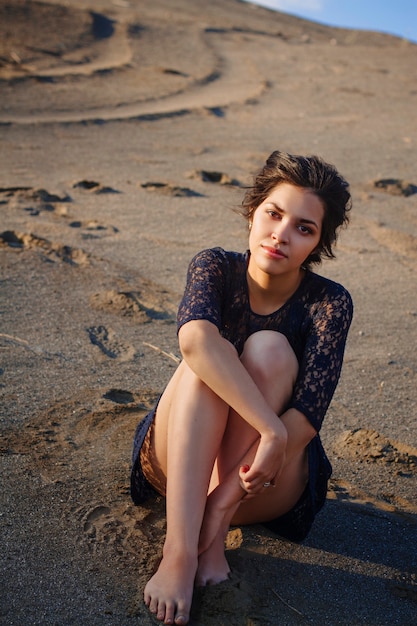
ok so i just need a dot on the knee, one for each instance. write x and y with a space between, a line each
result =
267 355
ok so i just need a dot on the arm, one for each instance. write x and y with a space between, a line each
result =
319 372
215 361
322 359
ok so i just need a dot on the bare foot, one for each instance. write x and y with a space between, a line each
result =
213 567
169 592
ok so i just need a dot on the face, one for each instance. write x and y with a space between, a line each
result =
285 230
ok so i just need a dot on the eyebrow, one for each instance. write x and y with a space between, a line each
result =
306 221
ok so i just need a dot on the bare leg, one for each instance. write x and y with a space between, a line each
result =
193 428
189 428
273 365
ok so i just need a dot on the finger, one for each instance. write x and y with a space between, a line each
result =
253 488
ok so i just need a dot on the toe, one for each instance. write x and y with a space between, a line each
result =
161 612
153 606
169 611
182 615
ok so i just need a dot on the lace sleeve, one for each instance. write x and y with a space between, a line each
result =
203 295
321 364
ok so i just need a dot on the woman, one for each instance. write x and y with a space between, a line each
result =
234 437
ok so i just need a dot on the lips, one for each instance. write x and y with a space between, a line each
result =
274 253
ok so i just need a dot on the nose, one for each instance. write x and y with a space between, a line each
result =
280 233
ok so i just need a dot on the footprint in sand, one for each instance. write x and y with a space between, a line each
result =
167 189
119 396
107 342
205 176
94 515
219 178
93 229
34 201
122 526
93 187
105 419
84 446
395 186
146 305
50 250
76 440
33 193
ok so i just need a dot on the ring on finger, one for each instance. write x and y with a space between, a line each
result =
268 484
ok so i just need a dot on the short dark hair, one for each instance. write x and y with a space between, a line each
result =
308 172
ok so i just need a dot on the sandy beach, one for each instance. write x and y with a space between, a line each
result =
128 131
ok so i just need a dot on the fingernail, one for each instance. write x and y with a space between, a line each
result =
245 468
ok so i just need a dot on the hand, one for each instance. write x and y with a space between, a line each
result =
267 464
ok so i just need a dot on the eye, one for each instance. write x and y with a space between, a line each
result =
305 230
273 213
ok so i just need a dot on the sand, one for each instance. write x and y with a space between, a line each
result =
128 130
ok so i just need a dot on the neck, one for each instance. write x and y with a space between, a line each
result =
268 293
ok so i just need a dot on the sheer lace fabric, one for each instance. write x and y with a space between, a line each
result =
315 321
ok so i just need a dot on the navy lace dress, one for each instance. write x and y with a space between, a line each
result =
315 321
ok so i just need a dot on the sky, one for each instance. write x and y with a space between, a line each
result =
397 17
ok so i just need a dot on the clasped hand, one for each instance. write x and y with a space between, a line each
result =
267 465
